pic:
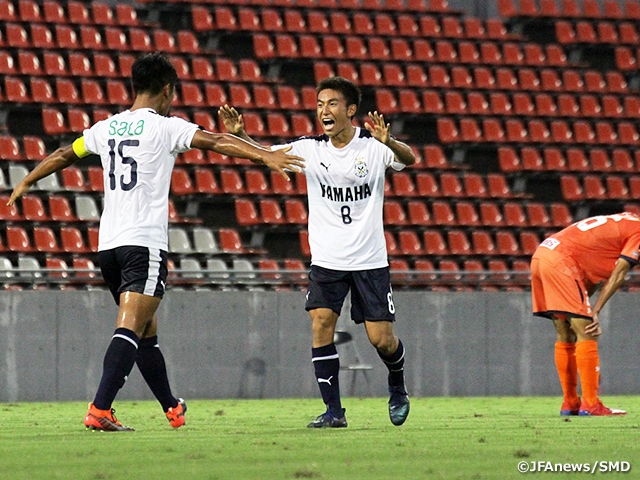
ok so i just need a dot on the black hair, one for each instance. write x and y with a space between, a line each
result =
348 89
151 72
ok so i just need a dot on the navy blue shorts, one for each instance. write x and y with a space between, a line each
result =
371 294
134 269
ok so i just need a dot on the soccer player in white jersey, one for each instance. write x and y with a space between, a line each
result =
345 170
138 148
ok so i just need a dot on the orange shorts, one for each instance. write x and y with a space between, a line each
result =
557 286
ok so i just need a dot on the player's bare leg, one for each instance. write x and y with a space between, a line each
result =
391 351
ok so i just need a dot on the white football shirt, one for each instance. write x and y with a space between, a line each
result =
346 192
138 150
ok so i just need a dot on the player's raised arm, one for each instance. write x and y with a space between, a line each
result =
234 146
58 160
234 123
381 131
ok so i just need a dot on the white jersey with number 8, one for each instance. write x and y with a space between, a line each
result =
346 192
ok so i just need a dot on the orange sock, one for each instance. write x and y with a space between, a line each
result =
565 356
588 362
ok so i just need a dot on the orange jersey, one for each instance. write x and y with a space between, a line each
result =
596 243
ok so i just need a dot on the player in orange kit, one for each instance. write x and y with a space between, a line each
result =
566 269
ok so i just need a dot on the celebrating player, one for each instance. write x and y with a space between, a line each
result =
566 269
345 174
138 148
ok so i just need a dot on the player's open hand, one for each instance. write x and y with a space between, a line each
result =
18 191
594 329
379 130
232 120
281 161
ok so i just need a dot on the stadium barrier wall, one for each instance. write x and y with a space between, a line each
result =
257 345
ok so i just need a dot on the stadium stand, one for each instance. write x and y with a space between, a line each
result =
521 125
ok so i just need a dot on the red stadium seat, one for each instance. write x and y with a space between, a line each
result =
466 214
270 212
296 212
246 213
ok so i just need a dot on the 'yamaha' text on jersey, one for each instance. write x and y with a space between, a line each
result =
346 193
138 150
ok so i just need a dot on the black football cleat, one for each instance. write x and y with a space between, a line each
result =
398 405
327 420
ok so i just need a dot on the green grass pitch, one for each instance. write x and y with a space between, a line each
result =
444 438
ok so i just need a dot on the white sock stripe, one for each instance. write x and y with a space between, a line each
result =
397 361
399 370
328 357
130 340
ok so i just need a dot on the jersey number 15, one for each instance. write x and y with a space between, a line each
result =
125 160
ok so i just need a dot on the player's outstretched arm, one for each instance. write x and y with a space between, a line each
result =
233 146
234 123
61 158
613 283
381 131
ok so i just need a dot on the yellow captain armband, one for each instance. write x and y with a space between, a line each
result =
78 148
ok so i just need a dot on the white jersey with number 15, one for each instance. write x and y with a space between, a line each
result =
138 150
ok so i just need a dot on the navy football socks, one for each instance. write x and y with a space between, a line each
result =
118 362
151 363
395 364
327 367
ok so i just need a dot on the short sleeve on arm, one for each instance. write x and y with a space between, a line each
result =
631 249
178 134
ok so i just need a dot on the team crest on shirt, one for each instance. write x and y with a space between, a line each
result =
361 168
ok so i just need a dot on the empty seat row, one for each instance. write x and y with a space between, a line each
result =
457 241
56 208
73 12
469 214
66 91
537 131
448 184
29 147
267 211
107 65
231 182
478 78
341 22
416 50
16 172
42 239
264 270
420 6
222 17
584 32
28 269
570 9
447 274
88 37
573 160
595 187
203 240
527 104
258 96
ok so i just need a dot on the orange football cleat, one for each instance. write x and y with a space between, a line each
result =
175 415
103 420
